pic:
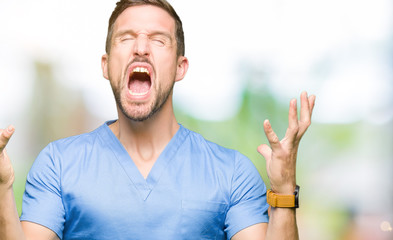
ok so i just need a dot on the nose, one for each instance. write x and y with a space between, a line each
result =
141 47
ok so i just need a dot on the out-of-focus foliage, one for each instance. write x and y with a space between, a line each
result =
343 169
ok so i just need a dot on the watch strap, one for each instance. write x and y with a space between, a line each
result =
284 201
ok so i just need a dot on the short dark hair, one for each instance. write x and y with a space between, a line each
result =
163 4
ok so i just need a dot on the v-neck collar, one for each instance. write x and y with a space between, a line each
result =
144 186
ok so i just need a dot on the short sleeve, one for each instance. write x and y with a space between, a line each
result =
42 202
248 198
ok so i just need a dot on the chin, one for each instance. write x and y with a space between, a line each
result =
137 113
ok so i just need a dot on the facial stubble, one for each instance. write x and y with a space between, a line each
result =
133 111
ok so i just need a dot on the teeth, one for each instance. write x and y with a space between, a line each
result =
141 70
137 94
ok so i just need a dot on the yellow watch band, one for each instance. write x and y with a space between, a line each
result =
285 201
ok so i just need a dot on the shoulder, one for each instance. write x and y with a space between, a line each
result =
78 142
201 146
199 143
69 147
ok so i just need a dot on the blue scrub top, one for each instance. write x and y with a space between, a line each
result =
88 187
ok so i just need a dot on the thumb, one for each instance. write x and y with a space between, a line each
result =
5 135
265 151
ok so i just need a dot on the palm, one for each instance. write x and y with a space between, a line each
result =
6 170
281 155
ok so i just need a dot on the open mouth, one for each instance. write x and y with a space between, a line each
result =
139 82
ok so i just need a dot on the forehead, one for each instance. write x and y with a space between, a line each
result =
145 18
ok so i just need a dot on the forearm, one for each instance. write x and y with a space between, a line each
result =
10 226
282 224
281 165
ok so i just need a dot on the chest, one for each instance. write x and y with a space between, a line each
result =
178 199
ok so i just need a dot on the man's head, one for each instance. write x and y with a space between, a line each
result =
143 60
124 4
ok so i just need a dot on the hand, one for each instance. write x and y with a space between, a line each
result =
281 155
6 171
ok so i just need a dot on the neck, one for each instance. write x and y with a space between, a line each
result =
145 140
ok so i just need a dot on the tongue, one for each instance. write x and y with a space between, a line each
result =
139 86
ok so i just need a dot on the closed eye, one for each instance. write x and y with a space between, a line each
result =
158 41
128 38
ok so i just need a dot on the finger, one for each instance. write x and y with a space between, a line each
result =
304 108
265 151
5 136
293 124
311 103
274 141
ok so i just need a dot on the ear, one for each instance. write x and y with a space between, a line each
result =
104 65
182 67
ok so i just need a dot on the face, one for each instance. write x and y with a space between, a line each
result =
142 65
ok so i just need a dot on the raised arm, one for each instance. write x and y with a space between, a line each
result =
281 165
281 169
10 226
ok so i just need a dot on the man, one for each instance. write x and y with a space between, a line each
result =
144 176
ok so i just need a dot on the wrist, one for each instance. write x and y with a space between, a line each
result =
284 189
283 200
6 185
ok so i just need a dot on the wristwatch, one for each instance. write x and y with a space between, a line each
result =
283 201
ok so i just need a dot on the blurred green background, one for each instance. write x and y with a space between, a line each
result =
246 63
